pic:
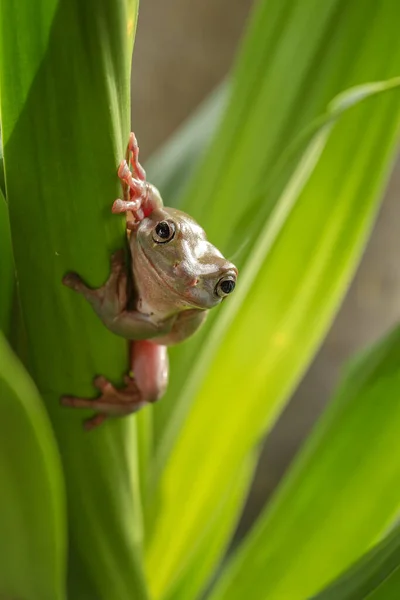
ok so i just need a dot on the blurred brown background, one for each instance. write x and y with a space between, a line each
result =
183 49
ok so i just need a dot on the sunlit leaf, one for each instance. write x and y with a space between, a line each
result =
197 571
339 496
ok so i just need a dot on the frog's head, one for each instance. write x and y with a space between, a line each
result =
174 260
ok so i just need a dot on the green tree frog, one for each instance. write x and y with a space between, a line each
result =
174 277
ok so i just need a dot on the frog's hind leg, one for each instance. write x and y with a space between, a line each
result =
150 369
112 402
150 375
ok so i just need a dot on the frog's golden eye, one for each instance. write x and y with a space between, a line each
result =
164 232
225 286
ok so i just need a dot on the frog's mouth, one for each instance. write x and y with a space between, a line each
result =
164 281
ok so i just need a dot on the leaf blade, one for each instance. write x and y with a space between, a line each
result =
317 507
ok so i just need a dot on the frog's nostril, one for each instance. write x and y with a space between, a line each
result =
191 282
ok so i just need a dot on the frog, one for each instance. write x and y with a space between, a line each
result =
157 298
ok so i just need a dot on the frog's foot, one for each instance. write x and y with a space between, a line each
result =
113 402
138 192
140 197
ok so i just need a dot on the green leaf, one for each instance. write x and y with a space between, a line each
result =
301 249
205 555
371 573
65 88
340 495
32 503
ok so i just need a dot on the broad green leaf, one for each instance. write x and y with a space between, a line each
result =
205 555
32 502
65 86
338 497
370 574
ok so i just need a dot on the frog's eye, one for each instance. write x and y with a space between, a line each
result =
163 232
225 286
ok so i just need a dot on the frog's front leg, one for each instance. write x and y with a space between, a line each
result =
110 299
110 304
149 364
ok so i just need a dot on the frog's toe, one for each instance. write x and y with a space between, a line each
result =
123 170
118 206
73 281
107 404
103 384
76 402
94 421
